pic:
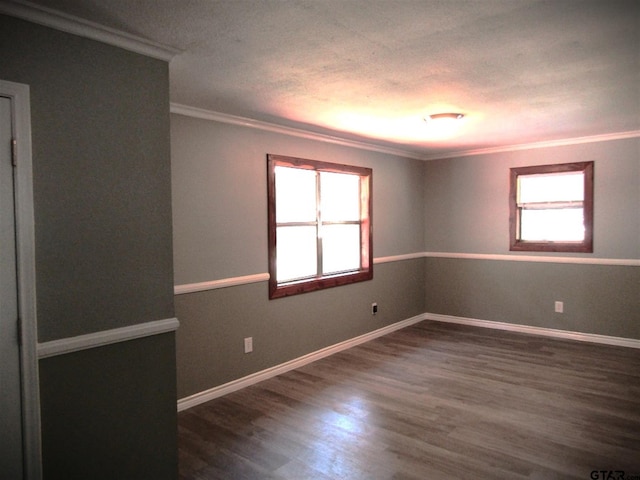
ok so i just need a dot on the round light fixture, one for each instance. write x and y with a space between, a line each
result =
443 125
444 116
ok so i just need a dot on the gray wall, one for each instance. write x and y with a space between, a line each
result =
110 412
220 196
100 127
466 211
220 231
455 205
214 323
467 199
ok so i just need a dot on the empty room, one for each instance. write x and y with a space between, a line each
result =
320 239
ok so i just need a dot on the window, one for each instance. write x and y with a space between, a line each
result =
551 208
320 227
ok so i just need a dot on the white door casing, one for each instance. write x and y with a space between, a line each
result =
18 282
11 398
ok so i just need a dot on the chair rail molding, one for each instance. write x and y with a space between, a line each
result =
106 337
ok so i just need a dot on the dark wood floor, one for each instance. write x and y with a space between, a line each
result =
432 401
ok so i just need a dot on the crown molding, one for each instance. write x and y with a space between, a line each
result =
204 114
529 146
84 28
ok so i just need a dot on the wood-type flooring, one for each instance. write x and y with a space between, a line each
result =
431 401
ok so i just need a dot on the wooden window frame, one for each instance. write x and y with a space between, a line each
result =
584 246
320 281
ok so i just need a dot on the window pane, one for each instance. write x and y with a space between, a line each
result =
555 225
340 196
340 248
296 195
296 250
553 187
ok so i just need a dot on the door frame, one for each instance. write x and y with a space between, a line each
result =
26 265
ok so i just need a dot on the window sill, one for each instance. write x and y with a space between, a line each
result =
304 286
569 247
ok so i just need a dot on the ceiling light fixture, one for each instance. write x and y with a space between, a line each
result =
445 116
443 125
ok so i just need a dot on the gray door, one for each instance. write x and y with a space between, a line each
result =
10 386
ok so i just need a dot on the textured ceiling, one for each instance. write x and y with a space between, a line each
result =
522 71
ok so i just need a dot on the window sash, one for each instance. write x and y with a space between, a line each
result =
320 227
552 225
551 187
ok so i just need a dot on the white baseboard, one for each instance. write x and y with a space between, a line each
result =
219 391
530 330
234 385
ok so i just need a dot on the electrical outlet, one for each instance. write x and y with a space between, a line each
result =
374 308
248 345
559 306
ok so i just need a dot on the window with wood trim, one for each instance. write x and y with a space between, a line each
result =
320 225
551 208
